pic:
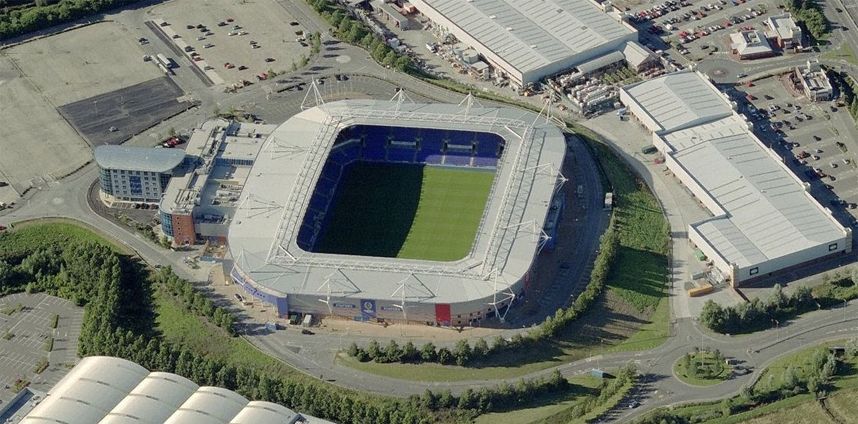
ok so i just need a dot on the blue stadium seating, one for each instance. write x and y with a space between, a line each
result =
374 152
457 159
461 138
404 134
485 162
396 154
375 133
373 143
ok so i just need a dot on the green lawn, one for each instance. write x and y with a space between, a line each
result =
584 387
406 211
31 235
186 329
843 52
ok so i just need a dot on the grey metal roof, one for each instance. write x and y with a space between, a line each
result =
138 158
679 100
531 34
280 165
767 213
107 390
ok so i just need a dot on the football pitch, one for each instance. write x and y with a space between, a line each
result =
406 211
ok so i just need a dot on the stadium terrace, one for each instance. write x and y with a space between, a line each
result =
459 251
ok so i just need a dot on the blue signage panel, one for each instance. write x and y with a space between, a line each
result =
367 309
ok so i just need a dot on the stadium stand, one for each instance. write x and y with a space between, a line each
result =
373 143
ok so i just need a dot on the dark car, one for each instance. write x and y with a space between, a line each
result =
307 332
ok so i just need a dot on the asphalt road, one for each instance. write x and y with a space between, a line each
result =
67 198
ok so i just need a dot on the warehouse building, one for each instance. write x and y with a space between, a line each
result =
103 389
764 220
135 174
527 41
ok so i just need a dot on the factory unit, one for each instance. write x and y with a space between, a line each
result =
528 41
764 219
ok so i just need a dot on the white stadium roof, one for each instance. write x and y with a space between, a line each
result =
531 35
679 100
107 390
264 228
769 213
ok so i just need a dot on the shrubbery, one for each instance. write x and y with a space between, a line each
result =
16 22
353 31
463 353
195 301
758 314
810 13
117 322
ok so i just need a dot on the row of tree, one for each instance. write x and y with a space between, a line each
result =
761 314
354 31
193 300
757 314
112 291
463 353
41 14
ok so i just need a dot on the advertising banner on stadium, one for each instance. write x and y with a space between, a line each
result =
367 309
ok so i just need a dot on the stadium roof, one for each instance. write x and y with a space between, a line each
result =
530 35
679 100
263 230
107 390
138 158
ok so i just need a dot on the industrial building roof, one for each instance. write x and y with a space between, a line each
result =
107 390
783 26
530 35
679 100
138 158
768 212
264 252
750 43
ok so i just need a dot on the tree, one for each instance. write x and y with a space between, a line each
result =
392 353
462 352
409 352
353 350
445 356
428 352
481 349
373 349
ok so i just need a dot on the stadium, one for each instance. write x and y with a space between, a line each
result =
398 211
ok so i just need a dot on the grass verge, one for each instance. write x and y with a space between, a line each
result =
635 288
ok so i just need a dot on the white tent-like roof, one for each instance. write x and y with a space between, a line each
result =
107 390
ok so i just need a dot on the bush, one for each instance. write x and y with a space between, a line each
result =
757 314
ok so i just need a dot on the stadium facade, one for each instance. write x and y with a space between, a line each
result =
530 40
764 219
282 210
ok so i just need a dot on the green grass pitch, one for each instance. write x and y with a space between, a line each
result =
406 211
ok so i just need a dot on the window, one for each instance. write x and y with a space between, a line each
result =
832 247
754 271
